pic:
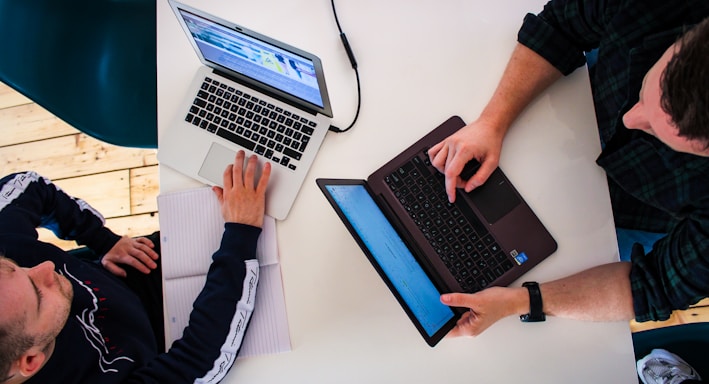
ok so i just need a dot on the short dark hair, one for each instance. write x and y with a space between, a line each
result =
685 84
14 341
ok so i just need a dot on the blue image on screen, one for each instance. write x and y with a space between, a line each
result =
392 255
256 59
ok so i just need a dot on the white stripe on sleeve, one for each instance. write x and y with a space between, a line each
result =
233 340
16 187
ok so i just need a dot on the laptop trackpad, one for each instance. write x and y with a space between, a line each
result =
495 198
216 162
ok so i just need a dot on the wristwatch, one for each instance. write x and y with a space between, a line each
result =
535 304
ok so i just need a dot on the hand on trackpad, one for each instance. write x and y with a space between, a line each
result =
215 162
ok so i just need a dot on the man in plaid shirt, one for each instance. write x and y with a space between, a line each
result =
651 94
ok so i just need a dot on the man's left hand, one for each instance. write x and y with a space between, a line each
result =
136 252
485 308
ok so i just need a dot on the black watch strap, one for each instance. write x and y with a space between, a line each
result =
535 304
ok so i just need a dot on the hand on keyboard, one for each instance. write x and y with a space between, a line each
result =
454 232
243 198
474 141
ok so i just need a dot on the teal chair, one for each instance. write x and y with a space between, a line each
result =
92 63
688 341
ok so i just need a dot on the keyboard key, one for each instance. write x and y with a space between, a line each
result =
307 130
291 153
199 102
248 144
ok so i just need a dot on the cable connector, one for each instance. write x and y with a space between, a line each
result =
350 54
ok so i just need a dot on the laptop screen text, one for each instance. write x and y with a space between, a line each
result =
255 59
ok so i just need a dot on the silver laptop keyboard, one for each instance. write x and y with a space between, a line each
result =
460 239
276 134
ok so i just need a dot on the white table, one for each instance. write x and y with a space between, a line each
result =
420 62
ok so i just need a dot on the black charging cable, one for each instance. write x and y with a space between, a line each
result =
353 62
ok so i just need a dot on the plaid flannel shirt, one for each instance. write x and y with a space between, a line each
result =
652 187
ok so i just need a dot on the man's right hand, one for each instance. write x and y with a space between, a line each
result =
477 140
242 199
527 74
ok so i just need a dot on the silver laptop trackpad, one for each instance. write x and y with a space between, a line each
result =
216 162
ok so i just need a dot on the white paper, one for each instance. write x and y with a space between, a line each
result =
191 227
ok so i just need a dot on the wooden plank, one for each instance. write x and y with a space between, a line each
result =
108 193
144 189
694 314
138 225
135 225
114 180
10 98
30 122
71 156
702 303
151 156
673 320
48 237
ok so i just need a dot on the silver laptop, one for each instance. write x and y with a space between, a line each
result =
253 93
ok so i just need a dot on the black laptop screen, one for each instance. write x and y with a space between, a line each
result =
392 255
255 59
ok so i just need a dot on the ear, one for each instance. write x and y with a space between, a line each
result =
31 362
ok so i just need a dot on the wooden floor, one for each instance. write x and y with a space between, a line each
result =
695 314
121 183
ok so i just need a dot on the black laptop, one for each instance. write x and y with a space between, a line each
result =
422 245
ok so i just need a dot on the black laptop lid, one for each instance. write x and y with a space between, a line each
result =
412 286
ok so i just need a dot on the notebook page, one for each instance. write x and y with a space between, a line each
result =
268 330
191 227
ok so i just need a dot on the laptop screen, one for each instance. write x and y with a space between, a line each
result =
255 59
392 255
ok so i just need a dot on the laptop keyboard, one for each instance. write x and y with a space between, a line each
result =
276 134
460 239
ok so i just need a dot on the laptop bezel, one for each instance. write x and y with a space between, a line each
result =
326 109
436 337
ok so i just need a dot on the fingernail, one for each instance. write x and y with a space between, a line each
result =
445 298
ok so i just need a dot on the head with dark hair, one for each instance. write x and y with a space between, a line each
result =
34 307
673 103
13 343
13 339
685 84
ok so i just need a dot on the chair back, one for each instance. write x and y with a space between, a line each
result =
91 63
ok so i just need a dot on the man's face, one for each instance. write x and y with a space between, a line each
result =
38 295
648 116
